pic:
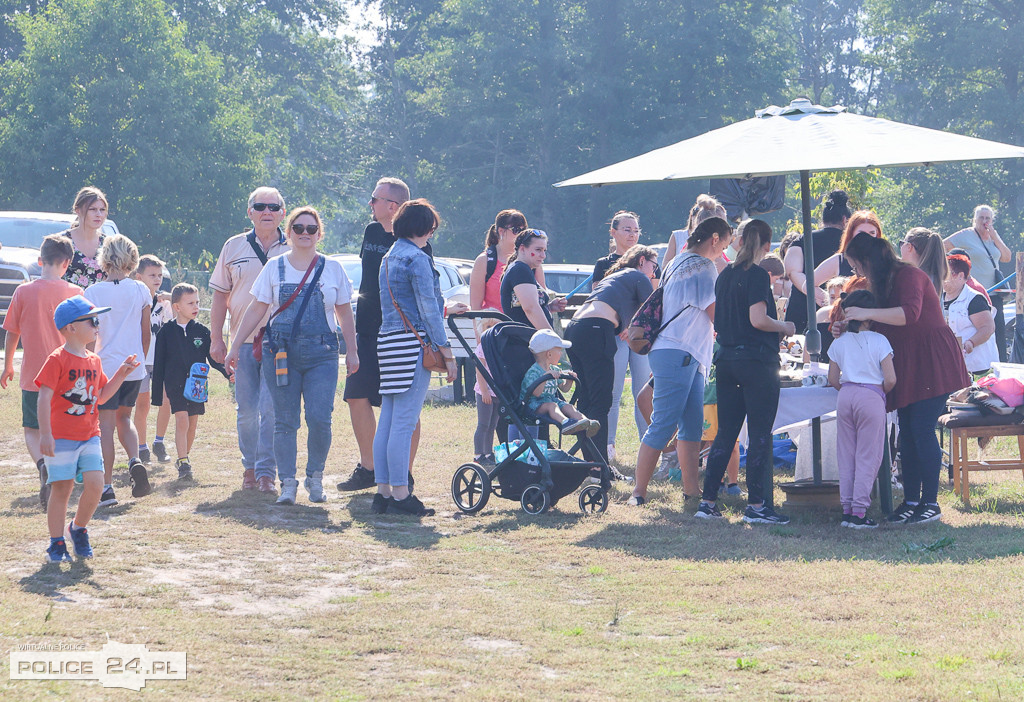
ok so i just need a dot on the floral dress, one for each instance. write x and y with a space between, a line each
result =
83 271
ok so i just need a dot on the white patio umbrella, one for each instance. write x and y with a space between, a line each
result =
799 138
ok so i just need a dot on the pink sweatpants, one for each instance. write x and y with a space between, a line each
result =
860 431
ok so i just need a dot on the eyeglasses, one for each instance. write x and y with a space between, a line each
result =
272 206
373 200
514 230
94 320
310 229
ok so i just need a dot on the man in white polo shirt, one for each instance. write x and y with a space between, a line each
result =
240 261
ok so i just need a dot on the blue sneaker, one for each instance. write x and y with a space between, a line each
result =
80 540
57 552
732 490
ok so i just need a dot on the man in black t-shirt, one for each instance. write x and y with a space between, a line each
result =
362 388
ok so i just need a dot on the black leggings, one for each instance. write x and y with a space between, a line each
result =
746 390
593 358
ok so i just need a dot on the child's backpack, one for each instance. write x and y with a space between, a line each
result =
197 385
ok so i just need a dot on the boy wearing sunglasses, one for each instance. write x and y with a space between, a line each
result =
72 386
240 262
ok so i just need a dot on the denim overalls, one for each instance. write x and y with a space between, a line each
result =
312 374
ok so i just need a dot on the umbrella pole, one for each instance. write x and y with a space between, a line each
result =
812 340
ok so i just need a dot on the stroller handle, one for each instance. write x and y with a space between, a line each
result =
546 377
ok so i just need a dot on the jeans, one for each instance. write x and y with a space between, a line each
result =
398 416
312 382
255 409
920 455
639 371
1000 319
592 356
746 390
678 399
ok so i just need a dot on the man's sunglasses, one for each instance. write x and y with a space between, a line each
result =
373 200
311 229
272 206
94 320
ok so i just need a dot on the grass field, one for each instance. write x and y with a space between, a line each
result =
331 602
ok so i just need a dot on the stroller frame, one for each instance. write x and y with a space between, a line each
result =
472 484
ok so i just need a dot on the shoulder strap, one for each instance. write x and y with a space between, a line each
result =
321 261
257 249
295 293
405 320
492 261
987 253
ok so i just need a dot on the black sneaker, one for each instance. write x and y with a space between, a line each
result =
855 522
764 515
846 520
44 488
708 511
184 469
636 501
409 506
360 479
144 455
901 514
379 504
616 475
107 499
139 478
924 513
160 452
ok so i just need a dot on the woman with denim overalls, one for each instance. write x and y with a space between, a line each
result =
303 327
410 296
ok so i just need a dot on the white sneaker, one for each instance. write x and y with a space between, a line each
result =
315 487
668 462
288 489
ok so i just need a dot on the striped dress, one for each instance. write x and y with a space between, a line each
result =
399 354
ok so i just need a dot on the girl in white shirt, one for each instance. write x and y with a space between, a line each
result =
860 367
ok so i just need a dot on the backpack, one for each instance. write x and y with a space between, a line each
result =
647 323
197 385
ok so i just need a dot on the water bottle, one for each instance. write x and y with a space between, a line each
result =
281 367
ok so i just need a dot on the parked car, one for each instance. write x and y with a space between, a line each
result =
563 278
21 235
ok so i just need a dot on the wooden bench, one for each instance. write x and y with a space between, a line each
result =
962 430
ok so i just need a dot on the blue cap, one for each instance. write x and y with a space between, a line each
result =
73 309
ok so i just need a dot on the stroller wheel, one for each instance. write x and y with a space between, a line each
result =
593 500
535 499
471 487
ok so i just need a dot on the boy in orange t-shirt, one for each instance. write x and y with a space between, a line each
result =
30 320
72 386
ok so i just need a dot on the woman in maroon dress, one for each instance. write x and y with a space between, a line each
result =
929 366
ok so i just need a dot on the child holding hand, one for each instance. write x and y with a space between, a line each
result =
546 347
860 367
72 386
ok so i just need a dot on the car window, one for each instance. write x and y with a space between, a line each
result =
354 270
28 232
563 282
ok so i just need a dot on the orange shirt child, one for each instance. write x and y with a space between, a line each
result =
76 382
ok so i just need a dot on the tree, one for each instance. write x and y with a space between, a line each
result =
125 106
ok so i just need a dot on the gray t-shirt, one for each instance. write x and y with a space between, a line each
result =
623 291
982 254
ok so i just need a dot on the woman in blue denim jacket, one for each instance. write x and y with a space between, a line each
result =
410 296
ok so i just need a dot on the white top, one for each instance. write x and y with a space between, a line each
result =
859 356
334 285
688 280
159 315
120 331
958 317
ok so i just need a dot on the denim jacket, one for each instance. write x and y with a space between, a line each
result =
417 291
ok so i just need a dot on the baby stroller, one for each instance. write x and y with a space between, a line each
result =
558 473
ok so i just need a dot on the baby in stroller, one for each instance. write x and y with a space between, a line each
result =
546 347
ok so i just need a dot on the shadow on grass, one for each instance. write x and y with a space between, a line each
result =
52 578
260 511
24 507
804 540
399 531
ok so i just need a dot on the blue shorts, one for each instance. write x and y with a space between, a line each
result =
678 398
73 457
535 402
